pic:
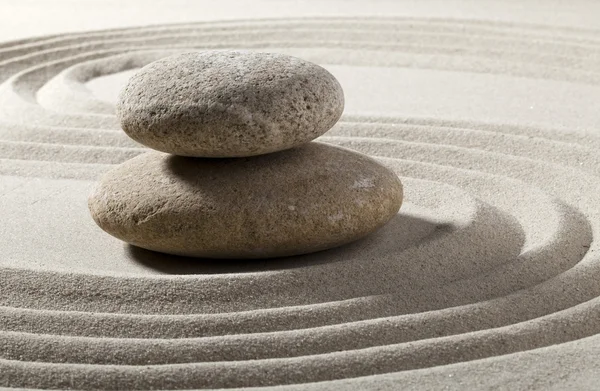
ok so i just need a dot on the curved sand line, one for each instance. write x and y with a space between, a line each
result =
493 253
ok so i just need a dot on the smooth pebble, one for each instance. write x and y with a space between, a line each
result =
229 103
310 198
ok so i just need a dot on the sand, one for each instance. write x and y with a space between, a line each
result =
486 279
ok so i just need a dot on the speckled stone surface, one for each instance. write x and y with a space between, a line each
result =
229 104
305 199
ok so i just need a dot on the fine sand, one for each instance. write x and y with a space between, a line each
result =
488 278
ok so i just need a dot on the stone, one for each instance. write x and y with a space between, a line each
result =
310 198
229 103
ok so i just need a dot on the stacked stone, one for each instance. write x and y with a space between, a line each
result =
237 175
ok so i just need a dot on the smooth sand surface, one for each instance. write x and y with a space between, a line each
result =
486 279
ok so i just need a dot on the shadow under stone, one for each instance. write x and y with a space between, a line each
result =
406 230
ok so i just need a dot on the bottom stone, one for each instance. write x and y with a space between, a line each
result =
310 198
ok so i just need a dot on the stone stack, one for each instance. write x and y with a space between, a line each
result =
237 175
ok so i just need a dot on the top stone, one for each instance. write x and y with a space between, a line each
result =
229 104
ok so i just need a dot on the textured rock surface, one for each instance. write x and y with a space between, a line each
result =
302 200
229 104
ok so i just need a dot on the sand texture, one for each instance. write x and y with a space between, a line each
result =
488 278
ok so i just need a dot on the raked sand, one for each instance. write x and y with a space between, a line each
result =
488 278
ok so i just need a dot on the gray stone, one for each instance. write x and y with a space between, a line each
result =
229 104
305 199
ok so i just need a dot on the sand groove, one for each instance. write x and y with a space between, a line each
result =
492 254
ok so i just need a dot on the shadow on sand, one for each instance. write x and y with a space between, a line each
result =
405 230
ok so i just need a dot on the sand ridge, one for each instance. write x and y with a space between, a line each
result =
493 253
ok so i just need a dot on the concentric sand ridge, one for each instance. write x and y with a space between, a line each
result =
492 254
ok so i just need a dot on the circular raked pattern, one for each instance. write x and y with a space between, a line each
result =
492 253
